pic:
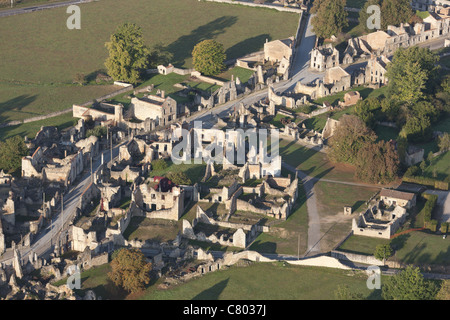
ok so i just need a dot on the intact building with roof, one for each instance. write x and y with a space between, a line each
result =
398 198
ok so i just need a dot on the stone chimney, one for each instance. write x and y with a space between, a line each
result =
163 94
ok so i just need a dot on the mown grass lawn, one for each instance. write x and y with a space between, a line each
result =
195 172
266 281
30 129
20 101
258 281
314 163
45 54
361 244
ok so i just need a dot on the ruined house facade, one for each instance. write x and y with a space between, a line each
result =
324 57
162 109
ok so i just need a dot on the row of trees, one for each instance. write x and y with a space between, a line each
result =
129 57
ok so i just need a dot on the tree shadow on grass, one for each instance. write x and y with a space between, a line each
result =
181 49
399 242
212 293
16 104
252 44
264 247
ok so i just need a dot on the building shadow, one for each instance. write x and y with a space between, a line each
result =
212 293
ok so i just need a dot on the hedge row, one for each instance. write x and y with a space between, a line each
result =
437 184
427 211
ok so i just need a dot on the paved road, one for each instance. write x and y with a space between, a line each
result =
16 11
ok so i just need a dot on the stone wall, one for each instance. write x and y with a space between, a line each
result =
268 6
353 257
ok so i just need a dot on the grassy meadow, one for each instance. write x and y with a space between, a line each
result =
41 56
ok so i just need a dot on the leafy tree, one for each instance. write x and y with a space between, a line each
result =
208 57
349 137
343 293
383 251
316 6
179 178
395 12
12 151
130 270
445 84
330 18
98 131
365 110
444 142
159 164
417 128
391 109
128 55
377 162
444 291
409 284
426 108
412 74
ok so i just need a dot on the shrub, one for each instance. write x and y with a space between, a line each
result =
428 210
444 227
159 164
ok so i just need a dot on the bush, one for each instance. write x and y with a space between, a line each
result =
444 227
428 210
179 178
159 164
432 225
441 185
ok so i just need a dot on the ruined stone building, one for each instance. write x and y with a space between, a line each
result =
387 42
430 5
337 79
160 199
162 109
279 52
99 112
276 50
398 198
379 221
61 162
324 57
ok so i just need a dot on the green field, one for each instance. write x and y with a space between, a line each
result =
258 281
416 247
314 163
41 57
440 166
266 281
195 172
30 129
